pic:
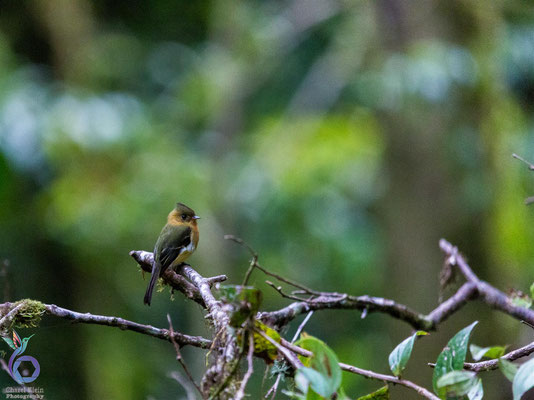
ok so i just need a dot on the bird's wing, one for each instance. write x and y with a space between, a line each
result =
16 339
9 342
172 241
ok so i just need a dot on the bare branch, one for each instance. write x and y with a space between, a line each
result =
179 355
494 363
466 292
283 350
274 388
337 301
164 334
250 362
390 379
491 296
266 271
530 166
474 288
301 326
283 294
8 318
189 389
145 260
214 307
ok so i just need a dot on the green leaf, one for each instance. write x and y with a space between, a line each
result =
322 369
477 391
508 368
452 357
457 383
319 383
380 394
244 301
520 299
401 354
532 290
524 379
489 352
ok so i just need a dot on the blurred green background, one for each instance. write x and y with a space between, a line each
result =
341 139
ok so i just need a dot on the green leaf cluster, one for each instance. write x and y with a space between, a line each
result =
321 372
478 352
244 301
449 380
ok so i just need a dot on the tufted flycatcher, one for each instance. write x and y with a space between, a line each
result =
176 242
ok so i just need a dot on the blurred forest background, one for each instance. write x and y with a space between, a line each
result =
341 139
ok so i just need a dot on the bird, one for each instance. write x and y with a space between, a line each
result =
176 242
19 347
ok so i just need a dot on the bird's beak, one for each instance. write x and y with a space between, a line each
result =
196 217
29 337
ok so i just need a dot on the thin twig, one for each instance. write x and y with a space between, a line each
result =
186 384
366 373
251 267
266 271
179 355
274 388
281 292
474 288
390 379
494 363
250 369
301 326
337 301
490 295
254 260
242 243
289 356
530 166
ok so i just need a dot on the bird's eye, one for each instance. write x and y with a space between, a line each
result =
184 217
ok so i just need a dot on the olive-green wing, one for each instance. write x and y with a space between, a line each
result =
171 242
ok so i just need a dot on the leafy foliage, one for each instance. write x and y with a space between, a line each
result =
401 354
456 383
321 372
478 352
244 302
509 369
452 359
523 379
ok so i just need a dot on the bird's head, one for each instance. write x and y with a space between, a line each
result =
25 342
183 214
27 339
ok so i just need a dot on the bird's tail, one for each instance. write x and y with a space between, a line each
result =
153 279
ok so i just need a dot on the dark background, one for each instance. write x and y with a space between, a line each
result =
341 139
